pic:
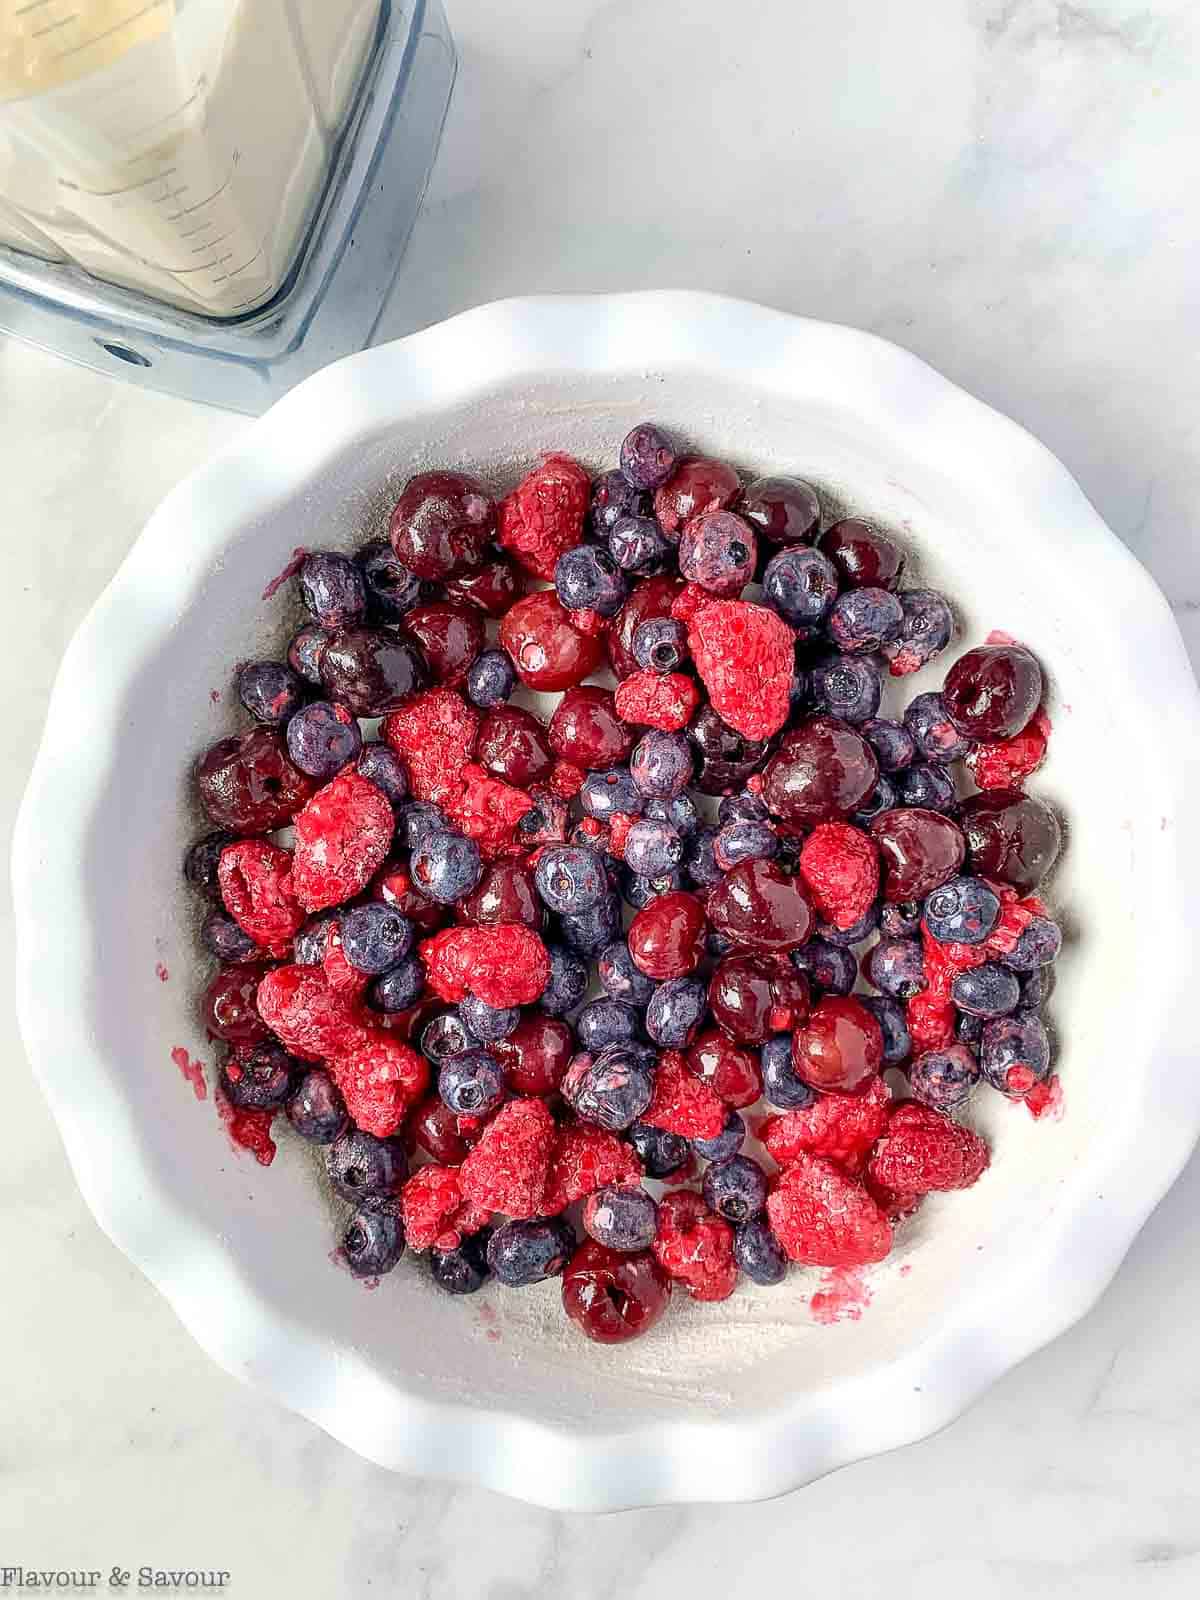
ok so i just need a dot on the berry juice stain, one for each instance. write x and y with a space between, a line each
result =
191 1071
843 1297
160 972
1045 1100
299 556
214 695
247 1130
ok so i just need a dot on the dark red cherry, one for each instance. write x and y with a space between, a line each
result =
229 1008
436 1130
753 996
492 587
443 521
372 671
726 757
822 772
727 1069
586 729
535 1054
450 636
782 510
394 886
1012 837
840 1048
864 557
697 484
992 692
666 938
505 893
920 851
513 745
548 651
248 783
613 1295
758 904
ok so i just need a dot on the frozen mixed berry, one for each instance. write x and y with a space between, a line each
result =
636 544
400 988
840 1127
222 937
588 579
545 644
249 785
229 1005
661 1153
666 938
823 1217
661 764
372 671
698 484
374 1238
611 1089
613 1296
491 678
758 1253
652 848
392 590
892 743
926 785
830 967
896 967
944 1079
675 1012
621 1218
744 655
660 645
446 1035
718 551
446 867
782 1085
727 1143
926 630
992 692
315 1107
864 557
840 1046
922 1151
1014 1053
589 932
381 1079
202 860
694 1246
488 1023
760 905
962 911
270 691
604 1022
920 850
567 982
783 510
450 636
744 841
383 767
990 990
822 771
862 620
545 514
893 1025
882 798
1013 837
442 523
648 456
801 585
613 497
846 686
1037 946
333 589
735 1188
752 995
464 1268
305 649
853 933
508 1169
322 738
471 1083
936 738
570 878
259 1079
621 978
840 868
520 1253
359 1165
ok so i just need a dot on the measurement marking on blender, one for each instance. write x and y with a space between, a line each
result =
52 27
30 5
136 16
237 271
187 210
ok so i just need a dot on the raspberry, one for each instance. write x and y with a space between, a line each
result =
681 1103
695 1246
342 838
618 831
435 735
341 977
508 1168
307 1017
745 657
256 885
923 1150
823 1218
894 1206
840 1127
840 865
1008 762
566 780
688 601
428 1202
504 964
944 962
381 1079
584 1160
544 514
1015 917
487 810
657 700
930 1017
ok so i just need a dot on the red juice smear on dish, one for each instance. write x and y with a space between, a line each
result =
191 1071
998 636
842 1297
214 695
906 1269
160 972
299 555
1045 1100
247 1130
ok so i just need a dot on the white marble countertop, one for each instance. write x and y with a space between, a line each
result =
1006 187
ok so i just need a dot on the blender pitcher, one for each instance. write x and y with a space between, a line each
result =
181 181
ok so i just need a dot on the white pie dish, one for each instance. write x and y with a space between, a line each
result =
733 1402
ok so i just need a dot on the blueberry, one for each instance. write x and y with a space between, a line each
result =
727 1143
614 497
801 584
570 879
660 644
546 820
928 786
446 866
604 1022
621 979
718 550
744 807
464 1269
333 589
359 1164
392 590
638 544
963 911
491 678
605 793
897 967
260 1081
488 1023
520 1253
309 945
588 579
322 738
735 1188
892 743
374 1238
639 891
700 859
782 1086
661 1153
400 988
893 1024
416 819
864 619
717 944
316 1109
622 1219
926 630
1037 946
969 1029
202 860
567 983
744 841
882 798
1035 986
679 810
648 457
611 1089
375 937
676 1011
652 848
270 691
855 933
897 918
661 764
847 687
935 736
471 1084
221 937
587 932
305 650
831 968
1011 1043
383 767
944 1079
987 991
758 1253
446 1036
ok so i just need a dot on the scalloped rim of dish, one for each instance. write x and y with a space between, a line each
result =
728 1460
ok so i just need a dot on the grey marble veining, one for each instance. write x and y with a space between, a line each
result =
1005 187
